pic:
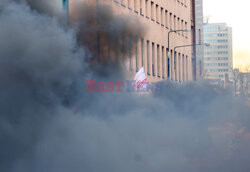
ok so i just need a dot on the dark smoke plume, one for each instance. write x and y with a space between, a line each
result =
117 33
52 8
48 123
39 61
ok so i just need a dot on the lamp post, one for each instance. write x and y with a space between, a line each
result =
190 45
171 31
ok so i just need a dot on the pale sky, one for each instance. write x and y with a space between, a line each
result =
237 15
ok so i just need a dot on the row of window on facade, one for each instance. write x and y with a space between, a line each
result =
157 14
222 40
216 58
214 28
157 63
218 70
216 64
216 40
215 76
217 47
208 35
222 35
216 52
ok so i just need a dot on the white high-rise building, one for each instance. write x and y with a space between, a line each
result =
218 59
199 39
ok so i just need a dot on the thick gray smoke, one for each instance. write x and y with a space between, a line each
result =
117 33
52 8
39 62
48 123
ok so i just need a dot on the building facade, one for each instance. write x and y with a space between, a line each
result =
199 49
242 83
159 17
218 59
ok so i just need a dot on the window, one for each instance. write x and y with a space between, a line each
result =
162 17
179 66
142 51
157 14
168 64
183 68
185 28
186 68
171 21
182 27
171 64
158 60
175 65
174 22
136 54
130 55
178 25
148 57
117 56
166 18
153 59
147 8
163 61
152 11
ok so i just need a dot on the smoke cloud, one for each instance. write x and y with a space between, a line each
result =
49 123
117 33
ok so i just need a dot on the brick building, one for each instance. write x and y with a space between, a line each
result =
159 17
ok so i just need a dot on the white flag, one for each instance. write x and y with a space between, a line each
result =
140 78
